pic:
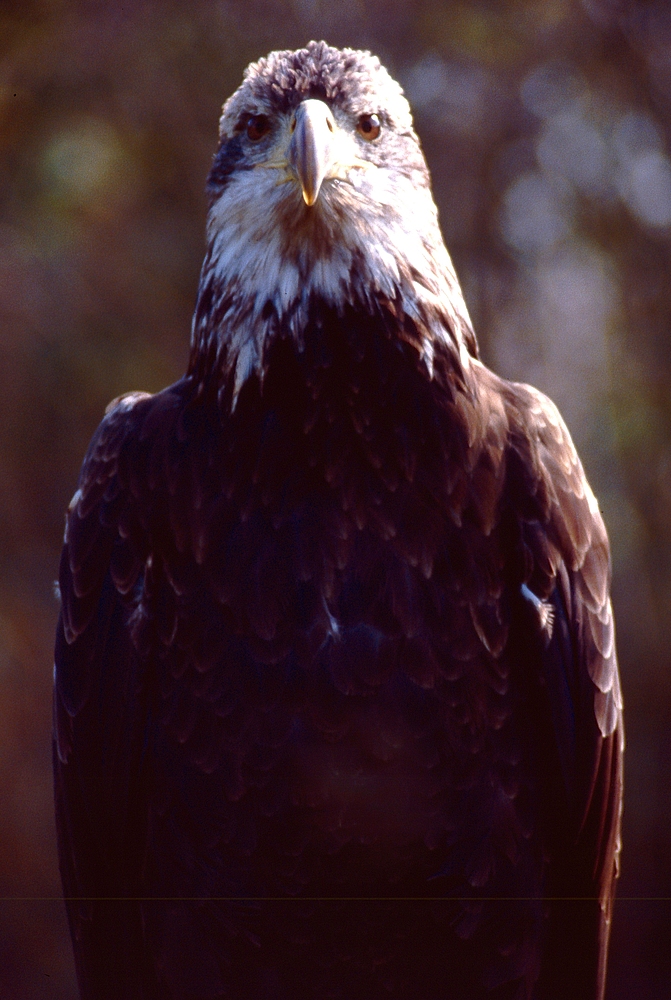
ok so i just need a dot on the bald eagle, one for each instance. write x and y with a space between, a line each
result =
337 710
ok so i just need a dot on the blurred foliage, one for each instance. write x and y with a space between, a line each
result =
546 124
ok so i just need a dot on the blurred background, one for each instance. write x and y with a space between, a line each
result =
547 127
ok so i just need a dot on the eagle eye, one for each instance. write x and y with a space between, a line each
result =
369 127
257 126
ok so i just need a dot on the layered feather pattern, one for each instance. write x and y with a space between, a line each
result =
344 687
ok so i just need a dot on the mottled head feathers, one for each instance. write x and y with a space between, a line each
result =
365 234
347 78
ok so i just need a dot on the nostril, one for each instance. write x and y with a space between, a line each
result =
329 124
293 124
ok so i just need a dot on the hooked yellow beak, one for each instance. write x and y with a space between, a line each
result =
311 151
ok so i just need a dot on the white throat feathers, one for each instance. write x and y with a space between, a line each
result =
320 191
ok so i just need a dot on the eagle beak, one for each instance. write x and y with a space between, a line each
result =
311 147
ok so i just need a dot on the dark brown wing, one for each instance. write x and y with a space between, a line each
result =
100 716
566 562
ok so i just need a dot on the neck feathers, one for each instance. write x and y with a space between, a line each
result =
269 270
235 326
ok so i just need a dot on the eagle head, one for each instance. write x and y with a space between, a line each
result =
319 192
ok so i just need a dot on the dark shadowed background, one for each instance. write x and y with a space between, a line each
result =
547 128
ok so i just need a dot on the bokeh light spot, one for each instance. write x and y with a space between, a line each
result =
86 162
534 215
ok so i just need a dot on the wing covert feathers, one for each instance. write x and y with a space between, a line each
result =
567 561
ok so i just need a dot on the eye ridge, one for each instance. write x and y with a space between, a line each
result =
369 126
257 126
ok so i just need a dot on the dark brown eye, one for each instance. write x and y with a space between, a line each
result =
369 127
257 127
